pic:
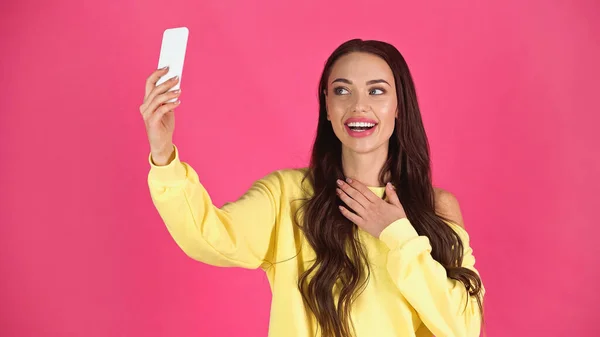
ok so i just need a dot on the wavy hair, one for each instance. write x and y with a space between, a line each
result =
340 261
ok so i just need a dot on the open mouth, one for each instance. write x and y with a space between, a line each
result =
360 126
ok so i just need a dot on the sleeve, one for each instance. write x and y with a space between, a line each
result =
438 300
236 235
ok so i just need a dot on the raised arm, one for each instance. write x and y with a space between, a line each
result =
235 235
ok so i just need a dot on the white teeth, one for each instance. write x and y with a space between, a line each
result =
361 124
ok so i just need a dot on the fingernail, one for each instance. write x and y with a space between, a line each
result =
349 180
339 182
163 68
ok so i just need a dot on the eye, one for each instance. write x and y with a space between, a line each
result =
377 91
340 91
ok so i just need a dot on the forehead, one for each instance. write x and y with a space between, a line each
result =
361 67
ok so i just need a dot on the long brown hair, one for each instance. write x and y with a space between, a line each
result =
340 261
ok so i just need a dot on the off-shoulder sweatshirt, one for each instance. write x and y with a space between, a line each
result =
408 293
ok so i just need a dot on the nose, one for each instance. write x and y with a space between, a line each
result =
361 104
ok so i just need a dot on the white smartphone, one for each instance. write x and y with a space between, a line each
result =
172 54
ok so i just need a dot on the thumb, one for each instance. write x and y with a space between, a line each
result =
391 194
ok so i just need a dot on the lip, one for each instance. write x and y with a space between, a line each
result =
360 119
360 134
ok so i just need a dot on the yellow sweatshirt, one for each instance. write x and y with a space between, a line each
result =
408 293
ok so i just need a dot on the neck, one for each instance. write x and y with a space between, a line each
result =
364 167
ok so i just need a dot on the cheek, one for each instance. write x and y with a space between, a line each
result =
336 109
336 113
386 110
387 115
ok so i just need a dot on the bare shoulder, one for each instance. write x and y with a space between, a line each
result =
447 206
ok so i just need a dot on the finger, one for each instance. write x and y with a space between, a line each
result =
391 194
363 189
160 112
351 216
353 204
153 78
160 100
163 88
353 192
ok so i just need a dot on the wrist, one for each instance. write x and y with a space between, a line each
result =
163 157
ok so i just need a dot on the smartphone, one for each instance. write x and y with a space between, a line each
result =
172 54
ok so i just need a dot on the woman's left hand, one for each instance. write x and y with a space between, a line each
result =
371 213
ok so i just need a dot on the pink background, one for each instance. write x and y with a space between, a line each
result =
509 93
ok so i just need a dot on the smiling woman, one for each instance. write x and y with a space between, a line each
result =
362 107
357 244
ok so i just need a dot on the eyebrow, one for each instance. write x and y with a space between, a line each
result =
343 80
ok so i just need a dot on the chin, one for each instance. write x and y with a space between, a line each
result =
360 146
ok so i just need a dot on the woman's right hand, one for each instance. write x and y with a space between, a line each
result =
159 116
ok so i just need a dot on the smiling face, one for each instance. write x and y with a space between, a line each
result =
361 102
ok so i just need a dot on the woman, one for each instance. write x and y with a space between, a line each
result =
357 244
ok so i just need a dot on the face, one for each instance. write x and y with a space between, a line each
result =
361 102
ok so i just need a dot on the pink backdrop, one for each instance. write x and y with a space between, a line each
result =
509 96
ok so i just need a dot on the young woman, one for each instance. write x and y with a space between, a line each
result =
359 243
